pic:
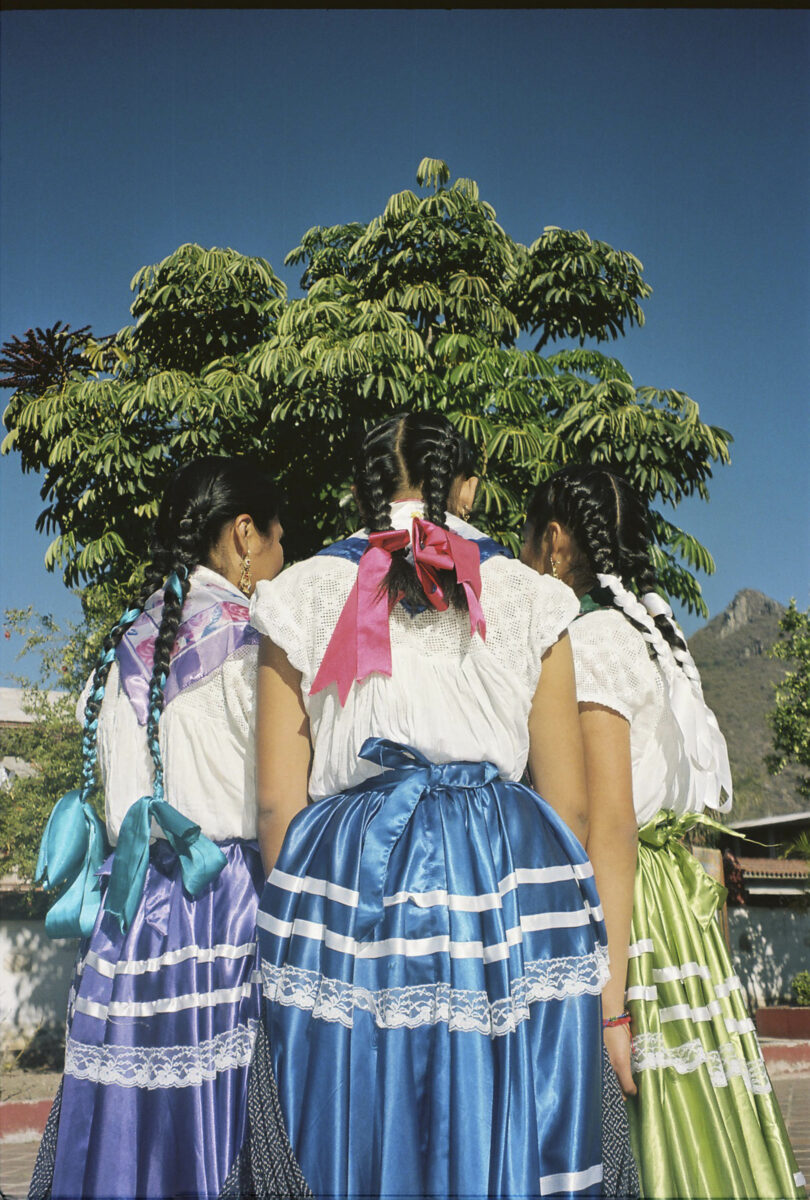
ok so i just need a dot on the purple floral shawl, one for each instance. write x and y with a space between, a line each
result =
215 624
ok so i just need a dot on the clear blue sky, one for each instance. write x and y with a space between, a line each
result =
681 135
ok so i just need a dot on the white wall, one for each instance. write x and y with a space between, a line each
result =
35 975
768 947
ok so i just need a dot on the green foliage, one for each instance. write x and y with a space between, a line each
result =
790 718
800 848
801 988
169 388
427 306
51 744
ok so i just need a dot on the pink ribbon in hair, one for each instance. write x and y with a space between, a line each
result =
436 549
361 642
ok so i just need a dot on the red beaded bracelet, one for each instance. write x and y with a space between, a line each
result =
622 1019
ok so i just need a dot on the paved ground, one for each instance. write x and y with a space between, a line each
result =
794 1097
17 1156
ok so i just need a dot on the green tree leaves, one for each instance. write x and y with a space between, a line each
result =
790 718
431 304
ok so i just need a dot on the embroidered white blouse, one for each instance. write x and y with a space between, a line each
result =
450 695
614 668
206 740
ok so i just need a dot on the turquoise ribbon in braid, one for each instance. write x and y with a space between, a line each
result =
200 859
74 844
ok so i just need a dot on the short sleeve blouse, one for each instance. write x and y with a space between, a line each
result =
614 668
207 743
452 696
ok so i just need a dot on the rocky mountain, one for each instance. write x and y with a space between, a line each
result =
738 678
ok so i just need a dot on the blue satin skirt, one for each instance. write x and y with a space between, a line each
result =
162 1022
432 955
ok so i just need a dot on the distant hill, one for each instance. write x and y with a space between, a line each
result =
738 677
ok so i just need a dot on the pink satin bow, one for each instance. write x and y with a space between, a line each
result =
361 642
436 549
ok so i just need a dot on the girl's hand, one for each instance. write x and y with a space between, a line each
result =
617 1044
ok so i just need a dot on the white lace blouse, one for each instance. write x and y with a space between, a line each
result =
450 695
615 669
206 741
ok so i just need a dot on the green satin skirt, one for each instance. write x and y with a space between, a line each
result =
705 1122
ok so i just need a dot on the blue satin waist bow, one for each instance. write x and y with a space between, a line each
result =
74 847
407 778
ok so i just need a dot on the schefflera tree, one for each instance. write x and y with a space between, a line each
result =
108 432
432 305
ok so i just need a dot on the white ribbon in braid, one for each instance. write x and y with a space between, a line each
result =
708 773
657 606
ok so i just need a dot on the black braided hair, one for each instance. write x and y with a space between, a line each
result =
420 451
610 527
200 499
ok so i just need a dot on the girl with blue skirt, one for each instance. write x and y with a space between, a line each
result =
164 1007
432 946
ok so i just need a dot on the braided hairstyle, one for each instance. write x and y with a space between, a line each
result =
200 499
420 451
610 527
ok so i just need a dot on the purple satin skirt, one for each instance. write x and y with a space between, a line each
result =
161 1025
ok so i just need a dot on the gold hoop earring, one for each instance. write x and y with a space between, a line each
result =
245 580
554 569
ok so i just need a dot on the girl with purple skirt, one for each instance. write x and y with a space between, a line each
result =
164 1006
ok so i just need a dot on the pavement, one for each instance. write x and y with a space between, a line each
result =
26 1097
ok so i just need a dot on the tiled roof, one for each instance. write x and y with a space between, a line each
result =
774 868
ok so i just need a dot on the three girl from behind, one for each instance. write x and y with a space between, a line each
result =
703 1117
432 949
165 1005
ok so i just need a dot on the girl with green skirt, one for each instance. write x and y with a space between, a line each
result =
704 1121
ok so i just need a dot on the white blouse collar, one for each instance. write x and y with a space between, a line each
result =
404 511
202 576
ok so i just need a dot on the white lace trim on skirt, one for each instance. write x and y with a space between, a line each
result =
650 1053
436 1003
161 1066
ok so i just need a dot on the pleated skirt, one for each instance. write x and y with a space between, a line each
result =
161 1027
432 957
706 1122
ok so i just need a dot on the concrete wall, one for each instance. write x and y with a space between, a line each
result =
35 975
768 947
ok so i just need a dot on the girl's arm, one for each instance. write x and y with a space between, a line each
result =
612 848
283 749
556 759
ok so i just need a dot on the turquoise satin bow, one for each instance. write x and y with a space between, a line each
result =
407 777
200 859
73 848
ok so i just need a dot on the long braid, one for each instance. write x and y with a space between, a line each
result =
174 597
610 527
199 500
102 669
441 466
411 451
379 473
